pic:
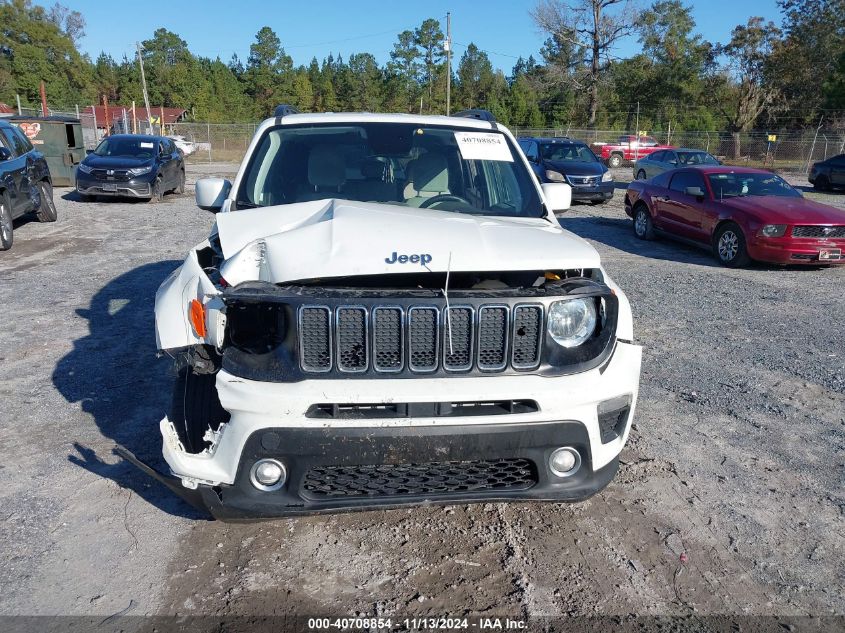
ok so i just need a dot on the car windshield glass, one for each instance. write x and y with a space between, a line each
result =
696 158
463 171
128 147
571 152
731 185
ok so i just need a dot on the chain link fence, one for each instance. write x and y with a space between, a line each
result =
787 151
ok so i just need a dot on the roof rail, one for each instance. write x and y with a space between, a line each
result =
482 115
284 110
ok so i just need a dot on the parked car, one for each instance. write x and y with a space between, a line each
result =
742 214
185 146
828 174
386 313
133 165
25 184
666 159
570 161
629 149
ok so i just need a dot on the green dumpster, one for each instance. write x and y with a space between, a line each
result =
59 138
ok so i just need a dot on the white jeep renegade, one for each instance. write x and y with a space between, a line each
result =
387 312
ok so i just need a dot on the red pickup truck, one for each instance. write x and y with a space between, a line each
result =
628 148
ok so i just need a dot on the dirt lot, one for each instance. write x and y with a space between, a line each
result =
729 500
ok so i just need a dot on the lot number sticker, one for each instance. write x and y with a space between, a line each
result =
483 146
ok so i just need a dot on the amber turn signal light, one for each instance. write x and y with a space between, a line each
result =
197 313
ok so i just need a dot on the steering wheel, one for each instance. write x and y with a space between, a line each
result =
444 197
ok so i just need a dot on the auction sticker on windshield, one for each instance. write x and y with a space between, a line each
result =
483 146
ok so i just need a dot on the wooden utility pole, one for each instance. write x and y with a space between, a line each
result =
106 115
448 63
144 86
134 120
44 111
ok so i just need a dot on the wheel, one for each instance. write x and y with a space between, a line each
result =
643 226
180 188
84 197
641 175
7 228
729 246
822 183
615 160
158 191
196 408
47 208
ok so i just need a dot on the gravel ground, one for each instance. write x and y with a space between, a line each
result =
729 499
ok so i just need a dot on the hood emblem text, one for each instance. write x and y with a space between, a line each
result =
422 259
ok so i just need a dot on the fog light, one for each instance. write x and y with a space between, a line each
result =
564 462
268 474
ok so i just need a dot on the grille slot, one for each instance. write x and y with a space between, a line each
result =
492 337
315 338
351 327
422 335
457 353
388 352
397 480
527 322
818 231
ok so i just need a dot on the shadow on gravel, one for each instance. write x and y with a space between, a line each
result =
72 195
115 375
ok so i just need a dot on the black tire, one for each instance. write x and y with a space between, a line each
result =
195 408
615 160
158 190
822 184
84 197
180 188
641 175
729 246
643 226
47 209
7 227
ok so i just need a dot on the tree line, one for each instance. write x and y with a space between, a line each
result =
764 77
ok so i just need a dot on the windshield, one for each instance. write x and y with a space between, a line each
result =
569 152
129 147
696 158
744 184
464 171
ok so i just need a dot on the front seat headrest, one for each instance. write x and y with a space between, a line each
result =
326 167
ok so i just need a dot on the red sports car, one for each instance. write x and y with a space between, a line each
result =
743 214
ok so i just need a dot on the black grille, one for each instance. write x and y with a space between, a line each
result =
492 337
315 339
385 339
396 480
117 174
351 339
818 231
457 339
423 338
584 181
527 321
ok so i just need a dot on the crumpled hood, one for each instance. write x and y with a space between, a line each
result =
339 238
781 210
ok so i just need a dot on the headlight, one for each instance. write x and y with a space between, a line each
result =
773 230
572 322
85 169
140 171
607 176
555 176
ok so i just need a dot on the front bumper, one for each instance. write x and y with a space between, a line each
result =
603 191
795 251
135 188
271 420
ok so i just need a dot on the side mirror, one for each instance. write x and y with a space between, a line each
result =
210 193
558 196
5 153
696 192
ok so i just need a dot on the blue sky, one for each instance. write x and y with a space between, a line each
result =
315 28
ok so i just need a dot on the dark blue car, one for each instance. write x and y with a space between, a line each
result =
570 161
132 165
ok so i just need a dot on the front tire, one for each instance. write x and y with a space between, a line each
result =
643 226
7 227
196 408
180 188
615 160
729 246
822 184
158 190
47 209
